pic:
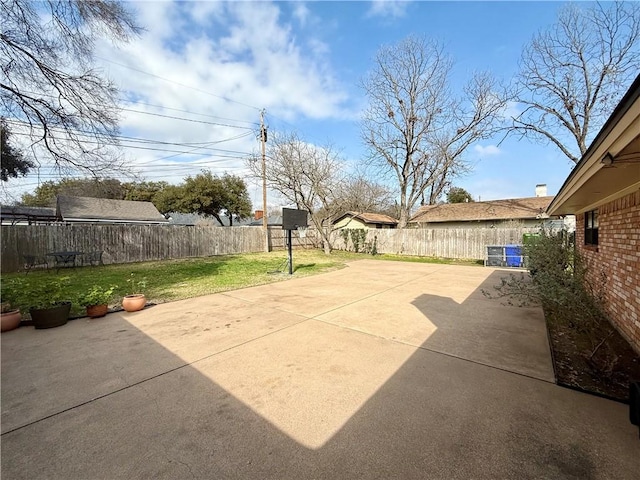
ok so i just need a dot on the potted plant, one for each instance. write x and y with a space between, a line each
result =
96 300
49 302
135 300
9 315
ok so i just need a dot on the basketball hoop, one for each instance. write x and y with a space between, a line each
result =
302 232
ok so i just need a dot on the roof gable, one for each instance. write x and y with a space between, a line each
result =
508 209
366 217
89 209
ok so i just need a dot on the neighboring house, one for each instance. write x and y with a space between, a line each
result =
528 212
364 221
18 215
258 221
105 210
603 192
272 221
177 218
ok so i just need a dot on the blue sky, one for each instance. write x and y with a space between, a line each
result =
222 63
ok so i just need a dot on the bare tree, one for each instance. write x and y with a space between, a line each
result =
572 74
307 175
49 89
415 128
360 194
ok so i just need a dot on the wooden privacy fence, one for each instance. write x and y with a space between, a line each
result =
127 243
138 243
277 238
470 243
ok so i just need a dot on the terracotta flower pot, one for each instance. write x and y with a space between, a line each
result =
10 320
97 311
133 303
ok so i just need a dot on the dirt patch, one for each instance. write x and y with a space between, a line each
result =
607 372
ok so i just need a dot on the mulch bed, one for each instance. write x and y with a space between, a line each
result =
607 373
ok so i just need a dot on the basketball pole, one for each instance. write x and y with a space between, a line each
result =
290 252
265 219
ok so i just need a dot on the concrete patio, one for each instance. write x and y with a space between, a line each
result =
380 370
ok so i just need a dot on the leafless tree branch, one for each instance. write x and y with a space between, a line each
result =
416 128
49 89
572 75
307 175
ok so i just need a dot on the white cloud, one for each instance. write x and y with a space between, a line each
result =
487 151
221 57
301 13
388 8
511 110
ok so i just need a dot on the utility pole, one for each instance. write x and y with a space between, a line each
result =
265 220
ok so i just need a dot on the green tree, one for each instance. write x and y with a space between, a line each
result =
236 199
14 163
168 199
143 191
458 195
46 193
210 196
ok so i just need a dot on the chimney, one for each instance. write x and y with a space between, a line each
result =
541 190
258 215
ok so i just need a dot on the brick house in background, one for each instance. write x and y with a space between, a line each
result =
603 191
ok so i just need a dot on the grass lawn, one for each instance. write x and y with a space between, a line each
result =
169 280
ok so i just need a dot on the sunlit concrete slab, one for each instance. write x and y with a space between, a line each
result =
311 296
308 380
455 317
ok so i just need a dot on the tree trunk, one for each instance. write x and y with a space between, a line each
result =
326 244
404 218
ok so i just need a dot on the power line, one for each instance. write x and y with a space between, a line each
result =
182 152
196 145
178 83
185 119
255 124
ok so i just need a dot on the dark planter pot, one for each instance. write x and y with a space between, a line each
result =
97 311
50 317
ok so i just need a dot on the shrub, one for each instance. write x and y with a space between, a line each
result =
558 282
44 294
96 295
136 286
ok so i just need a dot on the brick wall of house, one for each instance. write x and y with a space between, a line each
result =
618 256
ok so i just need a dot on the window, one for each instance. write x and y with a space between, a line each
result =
591 228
